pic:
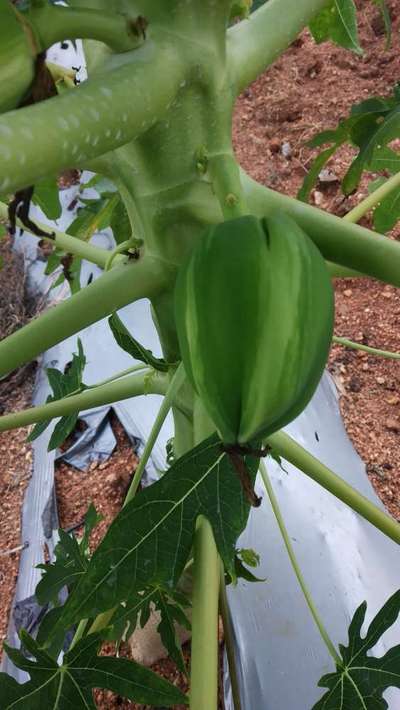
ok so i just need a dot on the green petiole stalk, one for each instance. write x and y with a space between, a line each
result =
289 548
114 391
206 583
171 393
66 242
255 43
204 660
51 24
117 376
97 117
366 348
112 290
373 199
286 447
122 373
339 241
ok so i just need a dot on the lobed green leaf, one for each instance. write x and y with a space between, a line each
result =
71 684
358 683
150 540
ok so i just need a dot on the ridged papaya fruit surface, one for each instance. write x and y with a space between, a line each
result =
254 312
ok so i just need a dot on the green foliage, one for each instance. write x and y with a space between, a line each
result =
93 215
169 603
244 559
128 343
149 541
46 195
360 680
63 384
337 22
136 111
71 561
60 687
371 126
387 213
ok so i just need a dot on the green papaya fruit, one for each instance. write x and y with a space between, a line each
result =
254 313
17 65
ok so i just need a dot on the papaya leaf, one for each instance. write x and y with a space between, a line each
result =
171 612
149 541
46 196
71 561
92 519
133 612
337 22
62 385
384 158
95 216
249 556
137 609
244 573
245 557
358 683
128 343
53 261
372 124
66 570
100 183
387 213
71 684
59 641
385 129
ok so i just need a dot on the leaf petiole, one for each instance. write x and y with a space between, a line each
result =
289 548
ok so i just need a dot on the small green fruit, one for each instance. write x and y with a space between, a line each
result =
254 314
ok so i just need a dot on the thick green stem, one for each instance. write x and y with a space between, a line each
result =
339 241
52 24
106 394
288 449
66 242
255 43
98 116
366 348
171 393
206 572
229 639
295 565
111 291
204 659
373 199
